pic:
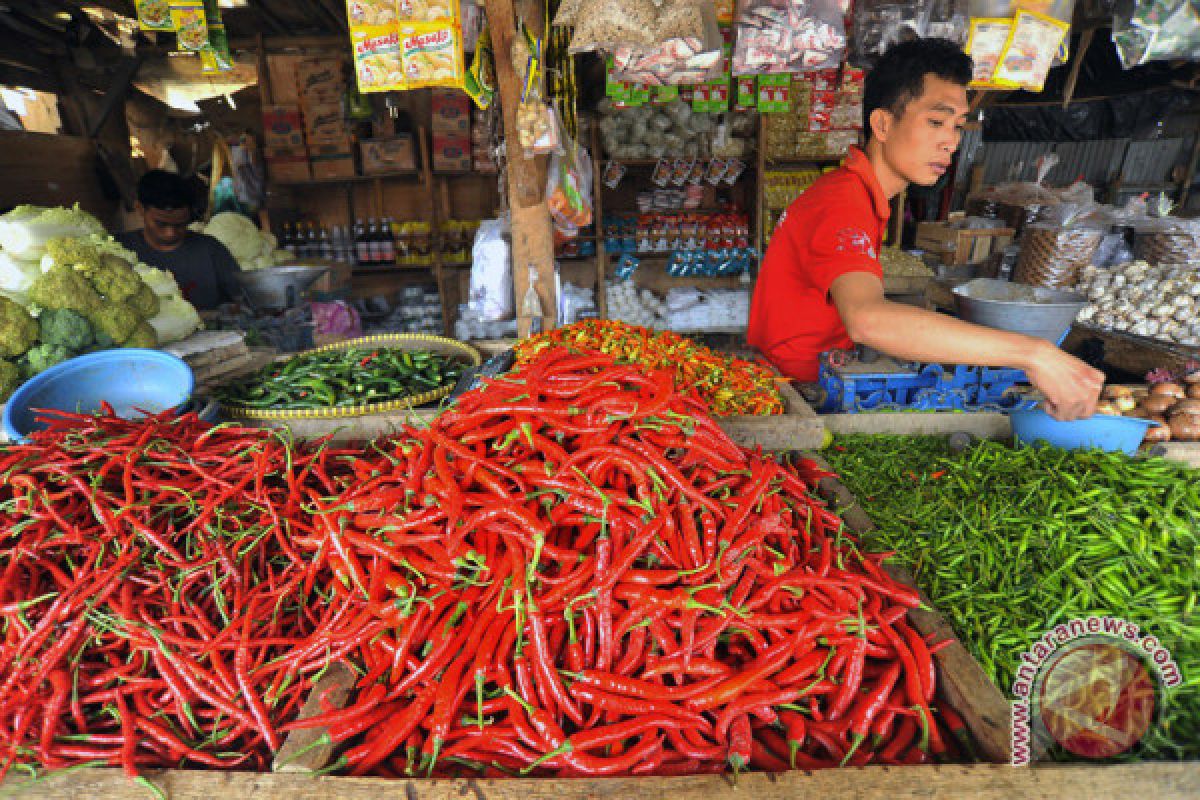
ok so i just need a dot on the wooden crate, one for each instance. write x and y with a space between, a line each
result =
961 245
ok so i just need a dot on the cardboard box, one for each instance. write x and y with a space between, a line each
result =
288 169
325 124
283 127
333 167
961 245
343 146
282 72
315 76
383 156
451 112
451 153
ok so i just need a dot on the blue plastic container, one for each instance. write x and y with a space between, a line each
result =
129 380
1123 434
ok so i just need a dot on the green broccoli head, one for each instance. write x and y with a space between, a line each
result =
103 342
70 251
63 287
117 321
43 357
18 330
10 379
65 327
143 336
145 302
115 279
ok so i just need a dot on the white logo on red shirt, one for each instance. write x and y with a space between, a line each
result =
855 240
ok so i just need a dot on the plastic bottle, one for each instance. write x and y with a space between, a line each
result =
531 305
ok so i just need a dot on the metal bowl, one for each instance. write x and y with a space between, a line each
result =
278 287
1033 310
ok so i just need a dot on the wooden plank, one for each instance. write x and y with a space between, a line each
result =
304 750
963 682
798 428
1162 781
985 425
1136 354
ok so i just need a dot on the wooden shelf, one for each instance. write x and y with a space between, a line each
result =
793 162
387 268
352 179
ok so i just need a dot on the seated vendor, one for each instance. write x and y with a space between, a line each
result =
821 284
202 266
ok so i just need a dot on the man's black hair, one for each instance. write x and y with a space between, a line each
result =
899 75
164 190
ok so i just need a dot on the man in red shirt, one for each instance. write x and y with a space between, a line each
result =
821 284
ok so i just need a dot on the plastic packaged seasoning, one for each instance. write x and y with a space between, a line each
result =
1152 30
217 57
427 10
432 56
480 80
365 13
154 15
378 62
790 36
191 25
985 45
1032 45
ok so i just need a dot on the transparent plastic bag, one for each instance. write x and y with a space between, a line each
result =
1154 30
569 190
793 36
491 292
879 24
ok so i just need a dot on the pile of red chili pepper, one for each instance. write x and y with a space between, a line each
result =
729 386
153 610
583 575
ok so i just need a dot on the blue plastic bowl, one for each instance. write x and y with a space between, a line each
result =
129 380
1123 434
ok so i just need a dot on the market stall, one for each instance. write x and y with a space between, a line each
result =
476 486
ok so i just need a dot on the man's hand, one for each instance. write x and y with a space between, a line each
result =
1071 387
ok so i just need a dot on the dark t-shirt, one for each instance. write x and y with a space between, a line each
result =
202 266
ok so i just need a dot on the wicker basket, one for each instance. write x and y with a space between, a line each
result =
1053 257
401 341
1168 247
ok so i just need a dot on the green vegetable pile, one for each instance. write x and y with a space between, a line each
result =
343 378
1008 543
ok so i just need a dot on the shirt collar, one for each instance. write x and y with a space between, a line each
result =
857 163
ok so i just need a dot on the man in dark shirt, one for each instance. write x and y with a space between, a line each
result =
202 266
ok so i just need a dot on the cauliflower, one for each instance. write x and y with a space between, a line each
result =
116 320
176 320
10 379
43 357
143 336
159 280
63 287
18 330
244 240
115 279
25 230
145 302
71 251
65 327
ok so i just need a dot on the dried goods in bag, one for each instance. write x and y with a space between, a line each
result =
777 36
608 24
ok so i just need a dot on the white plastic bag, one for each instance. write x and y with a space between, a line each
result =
491 297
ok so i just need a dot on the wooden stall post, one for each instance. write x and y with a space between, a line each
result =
532 236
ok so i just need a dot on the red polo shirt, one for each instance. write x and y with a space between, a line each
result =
834 228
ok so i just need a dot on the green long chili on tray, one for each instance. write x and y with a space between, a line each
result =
1008 543
343 378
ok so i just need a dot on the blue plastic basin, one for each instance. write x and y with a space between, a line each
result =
1105 432
129 380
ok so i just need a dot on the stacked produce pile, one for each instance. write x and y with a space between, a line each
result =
68 288
1162 302
728 385
251 247
1008 543
155 610
573 571
1172 401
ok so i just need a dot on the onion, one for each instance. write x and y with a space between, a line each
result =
1169 389
1193 390
1160 432
1157 404
1185 427
1190 406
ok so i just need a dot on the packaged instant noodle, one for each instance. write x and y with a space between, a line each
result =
985 45
154 15
1032 45
432 55
427 10
367 13
191 25
378 59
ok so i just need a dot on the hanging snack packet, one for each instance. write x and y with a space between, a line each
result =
480 80
365 13
1032 45
218 57
432 56
191 26
614 171
985 45
427 10
662 173
154 15
378 60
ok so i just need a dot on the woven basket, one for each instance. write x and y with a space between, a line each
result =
399 341
1053 257
1168 248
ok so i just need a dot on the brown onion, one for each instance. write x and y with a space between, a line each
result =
1185 427
1157 404
1160 432
1193 390
1168 389
1186 407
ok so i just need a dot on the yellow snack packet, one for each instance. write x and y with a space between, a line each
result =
364 13
427 10
1032 45
378 59
154 15
433 55
191 26
985 44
